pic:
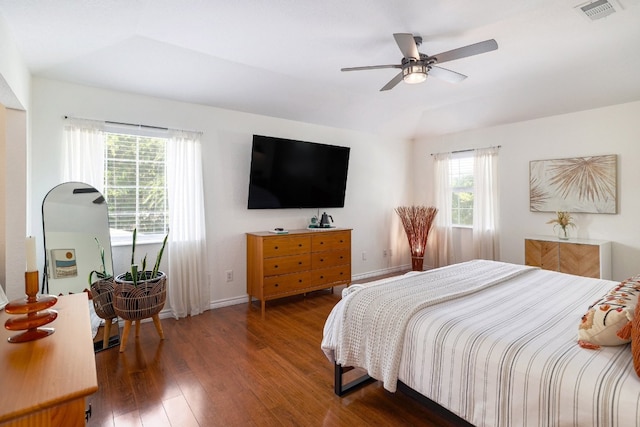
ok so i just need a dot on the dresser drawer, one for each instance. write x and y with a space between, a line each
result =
287 264
331 276
328 259
286 283
281 246
328 241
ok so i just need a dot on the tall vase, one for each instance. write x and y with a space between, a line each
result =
563 233
417 263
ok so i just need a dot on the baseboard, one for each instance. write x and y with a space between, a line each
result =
382 272
166 313
229 301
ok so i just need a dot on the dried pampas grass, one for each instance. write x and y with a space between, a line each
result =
417 222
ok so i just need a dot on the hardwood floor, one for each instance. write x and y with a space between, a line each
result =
231 367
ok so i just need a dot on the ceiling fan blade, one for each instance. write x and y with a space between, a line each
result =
393 82
463 52
370 67
407 45
446 75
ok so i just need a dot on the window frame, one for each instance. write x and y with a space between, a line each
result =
122 237
454 163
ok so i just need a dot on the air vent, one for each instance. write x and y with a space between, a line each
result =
596 10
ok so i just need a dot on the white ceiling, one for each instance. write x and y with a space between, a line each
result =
282 58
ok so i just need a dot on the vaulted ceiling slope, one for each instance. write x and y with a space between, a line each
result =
282 58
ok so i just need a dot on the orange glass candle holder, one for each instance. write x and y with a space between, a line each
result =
32 312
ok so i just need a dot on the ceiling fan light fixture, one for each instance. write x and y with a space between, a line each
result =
414 73
415 66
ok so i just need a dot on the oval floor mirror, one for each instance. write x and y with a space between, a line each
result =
77 245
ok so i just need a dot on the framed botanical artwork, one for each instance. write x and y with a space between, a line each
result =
576 184
64 263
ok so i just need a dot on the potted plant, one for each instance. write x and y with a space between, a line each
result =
102 295
136 275
561 222
140 293
100 274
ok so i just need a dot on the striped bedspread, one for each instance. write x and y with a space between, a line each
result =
377 315
507 355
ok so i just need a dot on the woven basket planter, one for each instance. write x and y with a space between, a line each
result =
102 294
141 301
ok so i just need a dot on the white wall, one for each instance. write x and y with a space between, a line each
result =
379 176
610 130
14 75
13 200
14 95
3 190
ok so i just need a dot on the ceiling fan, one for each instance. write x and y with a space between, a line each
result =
415 66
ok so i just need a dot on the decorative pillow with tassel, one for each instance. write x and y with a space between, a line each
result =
635 340
608 321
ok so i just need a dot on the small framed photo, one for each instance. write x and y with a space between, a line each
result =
64 263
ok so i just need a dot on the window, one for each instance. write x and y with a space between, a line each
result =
461 179
135 184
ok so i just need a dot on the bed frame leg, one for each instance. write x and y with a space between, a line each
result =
341 389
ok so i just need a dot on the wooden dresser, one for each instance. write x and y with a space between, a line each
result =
45 382
582 257
301 261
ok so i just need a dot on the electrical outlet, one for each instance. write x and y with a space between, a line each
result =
364 256
384 253
229 275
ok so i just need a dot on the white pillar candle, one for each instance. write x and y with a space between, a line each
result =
32 264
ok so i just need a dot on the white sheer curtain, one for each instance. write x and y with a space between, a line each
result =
442 243
486 242
83 152
187 287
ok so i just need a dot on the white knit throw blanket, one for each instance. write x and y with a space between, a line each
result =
374 318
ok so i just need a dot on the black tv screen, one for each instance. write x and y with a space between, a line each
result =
287 173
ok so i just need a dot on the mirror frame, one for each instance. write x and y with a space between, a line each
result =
77 238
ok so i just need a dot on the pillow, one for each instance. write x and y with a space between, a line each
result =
608 321
635 340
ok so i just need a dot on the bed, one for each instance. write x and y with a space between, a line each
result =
494 343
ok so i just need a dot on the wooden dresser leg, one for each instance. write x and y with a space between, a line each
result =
138 328
156 322
125 335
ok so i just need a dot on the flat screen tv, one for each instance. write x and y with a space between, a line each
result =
287 173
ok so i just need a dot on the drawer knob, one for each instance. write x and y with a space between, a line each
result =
299 280
321 259
322 243
322 277
277 285
299 245
275 247
299 262
275 266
